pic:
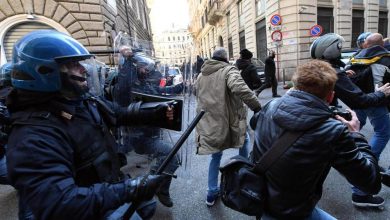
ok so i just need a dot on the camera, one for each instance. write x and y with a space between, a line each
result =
337 111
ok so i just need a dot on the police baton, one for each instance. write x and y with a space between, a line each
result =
130 211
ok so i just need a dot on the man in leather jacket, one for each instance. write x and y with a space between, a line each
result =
294 181
61 154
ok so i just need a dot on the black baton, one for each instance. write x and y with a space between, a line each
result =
130 211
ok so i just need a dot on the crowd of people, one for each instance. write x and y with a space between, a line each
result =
64 133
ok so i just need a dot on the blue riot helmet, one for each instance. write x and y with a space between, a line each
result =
327 47
49 61
5 75
145 65
362 37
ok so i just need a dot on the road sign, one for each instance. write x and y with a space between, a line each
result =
276 27
276 36
316 30
276 19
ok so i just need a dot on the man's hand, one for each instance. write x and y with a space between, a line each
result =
350 73
126 51
353 125
385 89
170 113
143 188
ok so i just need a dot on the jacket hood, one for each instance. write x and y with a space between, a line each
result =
298 110
372 52
211 66
242 63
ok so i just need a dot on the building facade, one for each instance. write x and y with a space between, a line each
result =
173 47
238 24
94 23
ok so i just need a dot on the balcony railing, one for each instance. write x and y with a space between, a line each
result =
215 13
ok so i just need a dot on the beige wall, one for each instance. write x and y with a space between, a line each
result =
298 16
92 22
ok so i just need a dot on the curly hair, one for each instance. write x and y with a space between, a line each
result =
315 77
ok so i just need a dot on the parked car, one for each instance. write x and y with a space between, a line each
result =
347 54
260 66
173 76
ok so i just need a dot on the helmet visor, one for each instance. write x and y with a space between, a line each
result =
81 78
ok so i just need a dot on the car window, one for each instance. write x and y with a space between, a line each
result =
173 72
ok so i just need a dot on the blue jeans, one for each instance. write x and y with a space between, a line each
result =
379 118
380 121
317 214
215 162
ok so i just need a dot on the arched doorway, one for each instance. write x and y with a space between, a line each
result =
17 32
13 28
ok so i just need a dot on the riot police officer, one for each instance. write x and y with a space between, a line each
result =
61 155
5 86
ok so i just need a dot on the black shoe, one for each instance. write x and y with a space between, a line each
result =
367 201
386 178
276 96
165 199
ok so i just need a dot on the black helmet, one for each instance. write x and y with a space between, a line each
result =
327 47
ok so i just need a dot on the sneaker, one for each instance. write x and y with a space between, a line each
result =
210 200
165 199
367 201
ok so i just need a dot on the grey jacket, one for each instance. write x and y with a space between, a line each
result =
222 92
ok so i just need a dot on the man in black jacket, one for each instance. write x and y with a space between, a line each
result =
248 70
294 181
270 77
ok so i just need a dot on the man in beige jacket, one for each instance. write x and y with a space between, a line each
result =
221 92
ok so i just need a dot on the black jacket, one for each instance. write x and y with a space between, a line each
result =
270 68
62 159
351 94
249 73
295 180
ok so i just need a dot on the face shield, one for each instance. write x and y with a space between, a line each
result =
80 78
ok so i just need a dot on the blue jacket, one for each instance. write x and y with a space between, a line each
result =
295 180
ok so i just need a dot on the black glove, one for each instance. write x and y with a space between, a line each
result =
143 188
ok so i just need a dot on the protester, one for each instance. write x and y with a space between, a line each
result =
270 77
294 181
61 155
248 70
328 47
221 92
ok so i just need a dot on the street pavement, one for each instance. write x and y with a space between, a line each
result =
189 189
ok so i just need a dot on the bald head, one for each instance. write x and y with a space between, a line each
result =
375 39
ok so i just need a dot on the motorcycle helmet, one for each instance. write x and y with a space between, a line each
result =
327 47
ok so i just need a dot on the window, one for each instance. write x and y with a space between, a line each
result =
112 4
228 23
325 19
383 3
230 47
261 40
242 40
240 14
174 38
382 23
169 39
357 25
260 7
220 41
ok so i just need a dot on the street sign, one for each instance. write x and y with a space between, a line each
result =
276 27
316 30
276 36
276 19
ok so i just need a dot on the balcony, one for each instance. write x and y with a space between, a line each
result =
215 12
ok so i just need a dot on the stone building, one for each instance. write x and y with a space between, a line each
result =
94 23
173 47
238 24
